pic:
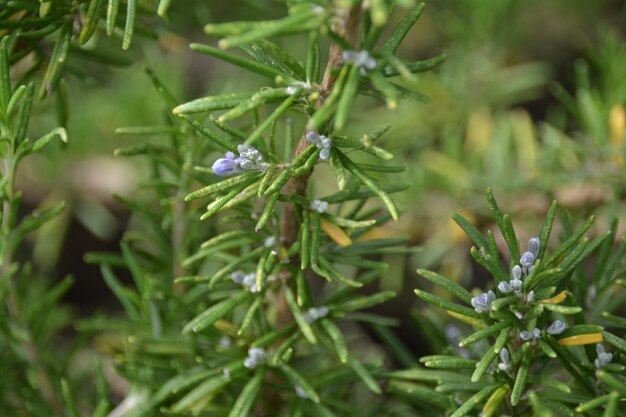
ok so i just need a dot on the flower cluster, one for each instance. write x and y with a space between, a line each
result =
527 261
249 159
247 280
319 205
256 356
504 364
532 336
322 142
316 313
361 59
603 359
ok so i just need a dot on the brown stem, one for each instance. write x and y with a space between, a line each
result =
289 225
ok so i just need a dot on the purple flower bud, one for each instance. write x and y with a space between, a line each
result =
556 327
530 296
517 272
603 358
504 355
225 167
505 287
516 284
482 302
237 277
525 335
325 154
527 259
533 246
536 333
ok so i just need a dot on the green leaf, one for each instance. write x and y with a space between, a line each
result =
491 405
337 338
127 297
245 401
5 76
274 56
474 400
214 313
447 284
471 231
313 58
279 111
387 89
364 374
448 362
163 6
420 392
363 302
506 227
592 404
305 327
224 185
348 94
57 61
570 242
484 333
200 393
209 134
112 9
305 238
402 29
129 28
298 380
520 379
483 365
615 341
263 96
67 398
296 22
418 66
37 219
446 304
268 210
90 24
255 67
369 183
212 103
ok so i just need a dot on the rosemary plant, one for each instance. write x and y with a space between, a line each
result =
245 285
537 344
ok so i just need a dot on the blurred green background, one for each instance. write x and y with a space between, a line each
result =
530 102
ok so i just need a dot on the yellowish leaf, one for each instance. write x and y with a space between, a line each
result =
582 339
336 233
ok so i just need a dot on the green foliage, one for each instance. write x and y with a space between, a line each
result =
262 244
528 342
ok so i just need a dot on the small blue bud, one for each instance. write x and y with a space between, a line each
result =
505 287
225 167
533 246
517 272
527 260
556 327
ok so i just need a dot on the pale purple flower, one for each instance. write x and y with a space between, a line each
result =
225 167
533 246
505 287
482 302
527 260
603 359
556 327
504 364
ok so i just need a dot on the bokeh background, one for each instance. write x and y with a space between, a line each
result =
530 102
